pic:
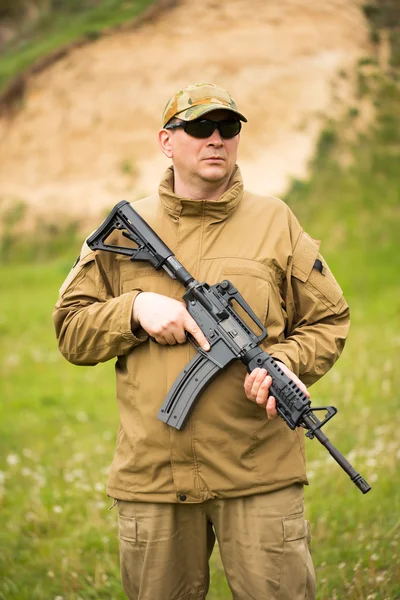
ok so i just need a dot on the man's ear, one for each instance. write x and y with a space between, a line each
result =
164 140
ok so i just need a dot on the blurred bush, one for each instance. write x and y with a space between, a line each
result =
20 8
17 9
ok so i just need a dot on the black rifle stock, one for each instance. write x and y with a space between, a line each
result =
230 338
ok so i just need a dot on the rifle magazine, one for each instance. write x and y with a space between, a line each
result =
186 389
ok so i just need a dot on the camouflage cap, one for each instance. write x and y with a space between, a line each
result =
197 100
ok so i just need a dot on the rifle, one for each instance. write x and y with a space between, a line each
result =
229 336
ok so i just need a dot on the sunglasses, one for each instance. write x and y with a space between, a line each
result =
204 128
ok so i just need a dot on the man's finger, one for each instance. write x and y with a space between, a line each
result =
194 330
170 339
179 335
259 379
253 382
263 391
271 408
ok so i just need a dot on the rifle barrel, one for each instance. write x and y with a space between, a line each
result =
356 478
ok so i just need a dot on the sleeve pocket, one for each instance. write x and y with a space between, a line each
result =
76 269
319 280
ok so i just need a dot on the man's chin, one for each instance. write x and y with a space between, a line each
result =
215 173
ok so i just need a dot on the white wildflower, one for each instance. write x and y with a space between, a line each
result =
357 566
12 360
40 479
352 455
57 509
12 459
82 486
27 453
77 473
82 417
374 557
37 355
78 457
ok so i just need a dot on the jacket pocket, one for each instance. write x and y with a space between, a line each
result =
252 281
141 277
310 268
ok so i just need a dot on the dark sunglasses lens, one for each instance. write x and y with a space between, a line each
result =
228 129
199 129
204 128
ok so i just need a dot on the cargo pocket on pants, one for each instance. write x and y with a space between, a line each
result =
311 578
130 556
297 577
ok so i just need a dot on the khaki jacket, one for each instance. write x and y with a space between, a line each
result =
227 448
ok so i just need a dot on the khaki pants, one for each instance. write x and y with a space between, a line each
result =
263 540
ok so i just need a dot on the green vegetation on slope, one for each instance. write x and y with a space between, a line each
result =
60 23
357 208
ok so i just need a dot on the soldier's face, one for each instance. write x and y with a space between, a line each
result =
210 160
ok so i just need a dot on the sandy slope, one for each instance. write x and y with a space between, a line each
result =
86 135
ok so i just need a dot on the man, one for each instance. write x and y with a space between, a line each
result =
235 472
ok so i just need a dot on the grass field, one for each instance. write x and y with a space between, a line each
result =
58 540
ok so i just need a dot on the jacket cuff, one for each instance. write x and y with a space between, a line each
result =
134 339
282 354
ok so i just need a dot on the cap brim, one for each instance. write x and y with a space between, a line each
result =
198 111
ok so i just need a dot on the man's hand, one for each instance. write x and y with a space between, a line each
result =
165 320
257 384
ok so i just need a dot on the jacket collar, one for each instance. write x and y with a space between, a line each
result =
219 209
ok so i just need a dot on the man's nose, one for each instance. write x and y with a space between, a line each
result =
215 139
